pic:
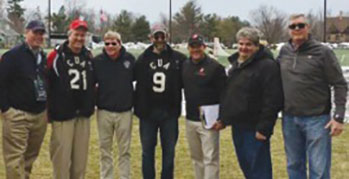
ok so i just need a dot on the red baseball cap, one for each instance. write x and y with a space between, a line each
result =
78 23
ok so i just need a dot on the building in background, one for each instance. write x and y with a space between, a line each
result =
338 29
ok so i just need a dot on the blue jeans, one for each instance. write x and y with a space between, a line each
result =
168 126
253 155
307 139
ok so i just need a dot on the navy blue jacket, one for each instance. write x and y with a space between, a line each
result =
18 70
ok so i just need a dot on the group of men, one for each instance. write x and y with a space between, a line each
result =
70 82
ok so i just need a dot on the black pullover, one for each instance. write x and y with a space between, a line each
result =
71 84
203 85
114 81
159 82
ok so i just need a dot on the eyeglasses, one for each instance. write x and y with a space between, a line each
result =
110 43
297 26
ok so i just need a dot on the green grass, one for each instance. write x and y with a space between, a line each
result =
229 168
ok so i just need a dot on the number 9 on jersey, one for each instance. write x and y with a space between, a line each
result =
159 80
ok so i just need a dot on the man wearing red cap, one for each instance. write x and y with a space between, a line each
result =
71 103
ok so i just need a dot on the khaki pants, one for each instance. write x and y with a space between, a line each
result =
69 148
120 125
23 134
204 150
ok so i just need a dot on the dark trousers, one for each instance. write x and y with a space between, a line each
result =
253 155
159 120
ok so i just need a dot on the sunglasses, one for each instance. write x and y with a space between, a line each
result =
112 43
297 26
158 36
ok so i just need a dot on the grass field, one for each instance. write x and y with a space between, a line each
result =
229 168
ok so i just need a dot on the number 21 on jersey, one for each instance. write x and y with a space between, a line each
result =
76 83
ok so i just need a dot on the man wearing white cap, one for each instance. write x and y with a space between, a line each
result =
158 101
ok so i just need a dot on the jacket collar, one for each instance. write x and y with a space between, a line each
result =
203 60
168 50
64 48
304 46
122 54
259 55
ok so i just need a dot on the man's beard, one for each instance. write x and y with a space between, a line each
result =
160 46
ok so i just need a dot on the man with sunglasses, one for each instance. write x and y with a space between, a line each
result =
23 102
114 77
309 70
158 101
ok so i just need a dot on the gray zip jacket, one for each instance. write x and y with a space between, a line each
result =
308 74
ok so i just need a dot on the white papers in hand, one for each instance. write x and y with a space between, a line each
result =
210 114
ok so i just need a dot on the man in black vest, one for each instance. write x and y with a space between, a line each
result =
71 103
23 102
158 101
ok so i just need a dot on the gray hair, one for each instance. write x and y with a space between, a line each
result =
250 33
112 35
299 15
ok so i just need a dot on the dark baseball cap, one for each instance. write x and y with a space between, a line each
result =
36 25
77 23
196 39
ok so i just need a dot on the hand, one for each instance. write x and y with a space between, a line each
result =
336 127
260 136
218 125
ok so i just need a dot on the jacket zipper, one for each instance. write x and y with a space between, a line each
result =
295 60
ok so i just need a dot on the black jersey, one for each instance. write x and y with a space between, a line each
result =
71 84
159 82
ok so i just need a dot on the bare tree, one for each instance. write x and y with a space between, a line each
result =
316 22
271 22
164 20
33 14
74 8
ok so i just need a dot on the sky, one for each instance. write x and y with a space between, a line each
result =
153 8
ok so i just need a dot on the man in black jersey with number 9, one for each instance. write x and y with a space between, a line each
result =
158 101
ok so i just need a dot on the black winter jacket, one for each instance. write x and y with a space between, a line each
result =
19 69
308 74
159 83
253 96
71 84
203 85
114 80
